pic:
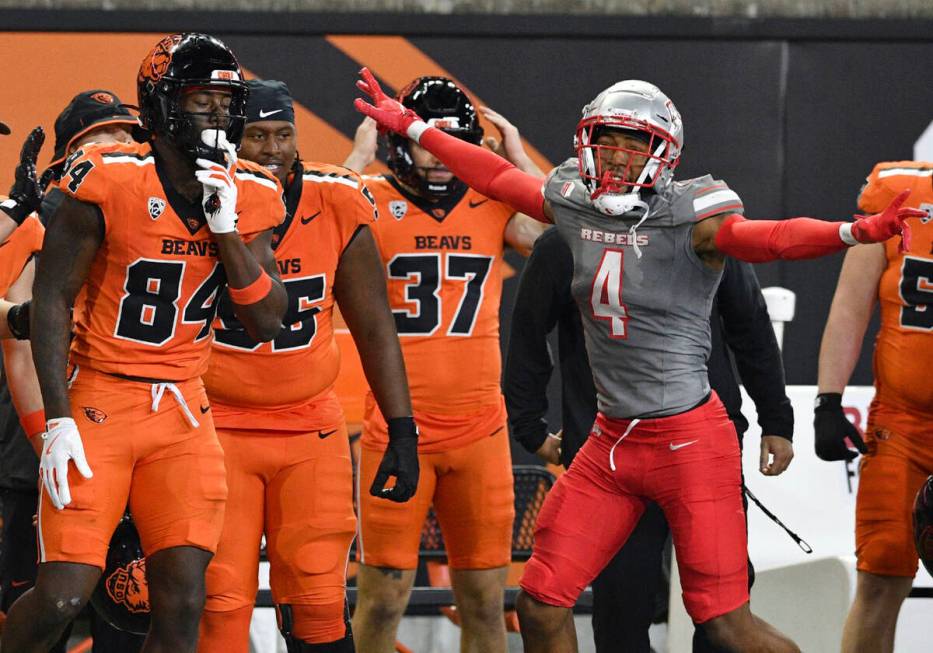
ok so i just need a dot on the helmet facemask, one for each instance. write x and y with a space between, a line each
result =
180 64
646 167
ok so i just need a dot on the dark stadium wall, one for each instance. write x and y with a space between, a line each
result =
792 114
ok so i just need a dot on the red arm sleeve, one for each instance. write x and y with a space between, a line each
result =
758 241
487 173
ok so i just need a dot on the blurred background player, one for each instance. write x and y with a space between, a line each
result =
627 592
442 247
140 239
898 445
287 454
645 299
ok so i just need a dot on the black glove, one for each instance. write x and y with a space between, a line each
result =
831 427
400 460
26 193
17 319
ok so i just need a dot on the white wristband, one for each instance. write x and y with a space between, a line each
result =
845 234
416 129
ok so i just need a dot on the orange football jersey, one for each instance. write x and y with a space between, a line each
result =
16 251
904 347
443 264
325 209
149 299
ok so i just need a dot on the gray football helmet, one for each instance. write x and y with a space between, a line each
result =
636 106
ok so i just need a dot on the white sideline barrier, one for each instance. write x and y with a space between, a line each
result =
797 592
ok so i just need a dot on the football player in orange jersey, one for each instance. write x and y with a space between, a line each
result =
442 245
279 420
142 245
898 444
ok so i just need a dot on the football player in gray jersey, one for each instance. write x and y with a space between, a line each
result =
648 255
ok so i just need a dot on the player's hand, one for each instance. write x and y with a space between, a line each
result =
389 114
26 193
400 460
220 192
892 221
510 147
365 144
549 450
61 443
776 454
832 430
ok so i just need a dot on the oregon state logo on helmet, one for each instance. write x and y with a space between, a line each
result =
156 63
121 597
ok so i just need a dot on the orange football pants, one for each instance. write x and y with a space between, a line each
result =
898 462
143 450
297 489
472 490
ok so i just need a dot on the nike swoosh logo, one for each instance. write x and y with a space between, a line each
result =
473 204
309 218
18 583
52 443
675 447
206 408
266 114
324 434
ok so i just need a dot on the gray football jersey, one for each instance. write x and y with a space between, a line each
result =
645 319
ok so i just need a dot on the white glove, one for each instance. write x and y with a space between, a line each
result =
61 442
220 192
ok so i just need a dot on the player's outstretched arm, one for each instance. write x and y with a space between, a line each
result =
758 241
74 234
476 166
360 290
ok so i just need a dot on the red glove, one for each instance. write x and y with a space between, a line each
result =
892 221
389 114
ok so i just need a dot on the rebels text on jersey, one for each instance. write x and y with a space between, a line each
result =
149 299
326 206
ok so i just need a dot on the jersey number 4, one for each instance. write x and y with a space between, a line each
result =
606 293
423 272
917 292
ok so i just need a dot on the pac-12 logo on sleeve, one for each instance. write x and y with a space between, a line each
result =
156 206
398 209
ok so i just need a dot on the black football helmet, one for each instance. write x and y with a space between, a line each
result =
442 104
923 524
121 597
186 61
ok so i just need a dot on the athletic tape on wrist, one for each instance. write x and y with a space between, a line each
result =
254 292
845 234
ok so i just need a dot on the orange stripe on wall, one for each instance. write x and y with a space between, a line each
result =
43 71
397 61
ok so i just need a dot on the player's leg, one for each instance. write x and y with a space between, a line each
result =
892 471
387 545
232 576
586 517
475 505
18 551
309 527
699 488
177 500
625 592
73 542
